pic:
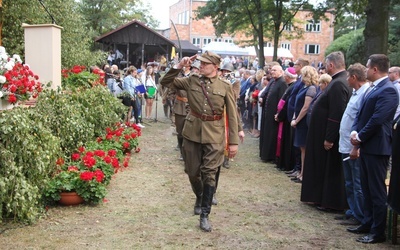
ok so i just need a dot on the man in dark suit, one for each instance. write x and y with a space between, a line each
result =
373 135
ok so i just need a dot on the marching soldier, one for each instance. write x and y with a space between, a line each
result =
204 130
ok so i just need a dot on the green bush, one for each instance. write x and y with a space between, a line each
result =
28 151
32 139
79 116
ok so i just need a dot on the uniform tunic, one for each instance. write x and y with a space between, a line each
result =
220 94
204 145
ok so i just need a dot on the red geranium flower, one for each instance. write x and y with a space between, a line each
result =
12 98
112 152
99 175
60 161
99 153
137 150
107 159
89 161
115 163
86 176
75 157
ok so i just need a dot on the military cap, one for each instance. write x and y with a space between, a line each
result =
210 57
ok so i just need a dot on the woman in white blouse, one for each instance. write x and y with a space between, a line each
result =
149 82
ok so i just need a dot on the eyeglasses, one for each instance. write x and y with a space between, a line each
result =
390 72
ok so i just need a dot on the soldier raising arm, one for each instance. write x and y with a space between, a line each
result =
204 130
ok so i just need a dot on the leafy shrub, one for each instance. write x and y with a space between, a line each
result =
27 151
32 139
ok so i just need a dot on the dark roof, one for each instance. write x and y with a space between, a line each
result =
134 32
187 47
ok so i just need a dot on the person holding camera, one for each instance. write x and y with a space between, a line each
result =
114 83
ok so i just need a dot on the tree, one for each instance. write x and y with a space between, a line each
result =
349 23
344 42
377 27
257 18
75 41
105 15
377 19
394 34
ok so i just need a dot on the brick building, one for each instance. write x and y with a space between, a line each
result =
312 45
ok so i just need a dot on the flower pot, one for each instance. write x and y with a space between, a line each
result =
4 104
70 199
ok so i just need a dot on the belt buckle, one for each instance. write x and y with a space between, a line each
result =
204 117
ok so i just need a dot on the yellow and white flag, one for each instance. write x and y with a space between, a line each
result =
173 53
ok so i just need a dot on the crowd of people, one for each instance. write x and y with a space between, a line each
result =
138 88
332 133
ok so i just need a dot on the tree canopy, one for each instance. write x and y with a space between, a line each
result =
81 22
105 15
258 19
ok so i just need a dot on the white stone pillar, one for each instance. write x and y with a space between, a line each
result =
43 52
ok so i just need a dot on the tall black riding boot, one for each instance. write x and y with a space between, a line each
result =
197 187
208 192
214 199
180 143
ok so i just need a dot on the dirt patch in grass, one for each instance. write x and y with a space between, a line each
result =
150 206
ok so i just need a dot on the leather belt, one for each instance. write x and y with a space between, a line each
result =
183 99
206 117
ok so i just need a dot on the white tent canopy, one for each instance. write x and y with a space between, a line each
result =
222 48
269 51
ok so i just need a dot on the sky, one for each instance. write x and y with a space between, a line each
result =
160 11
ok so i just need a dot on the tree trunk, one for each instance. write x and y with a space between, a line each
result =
377 27
261 57
260 34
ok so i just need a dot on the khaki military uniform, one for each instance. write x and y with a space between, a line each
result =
181 109
204 131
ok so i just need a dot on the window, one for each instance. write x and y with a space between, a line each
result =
287 27
312 49
268 44
285 45
186 17
206 41
312 26
180 18
196 42
183 18
218 40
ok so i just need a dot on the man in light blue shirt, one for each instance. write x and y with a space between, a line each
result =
351 168
394 77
